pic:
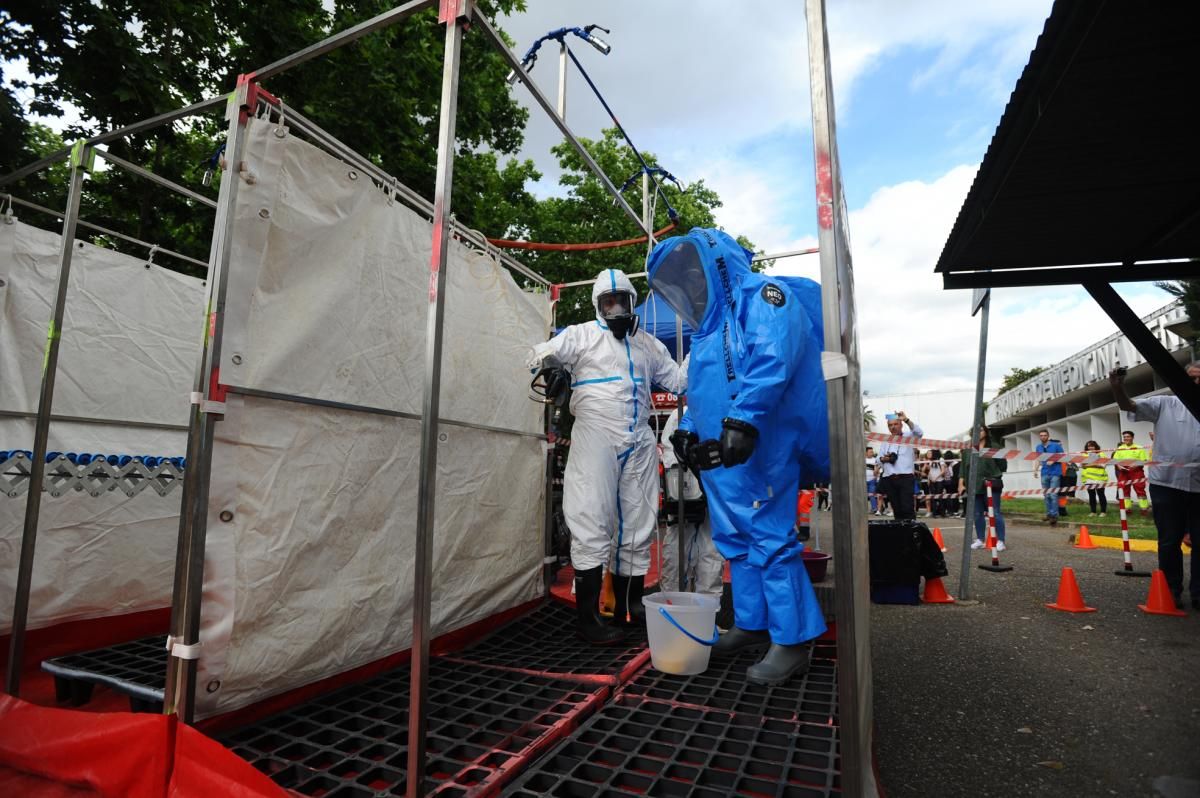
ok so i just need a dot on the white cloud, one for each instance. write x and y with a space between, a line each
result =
696 82
915 337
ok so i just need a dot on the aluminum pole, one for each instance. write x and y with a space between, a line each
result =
849 522
36 166
104 230
343 38
179 696
976 425
562 80
154 178
81 162
162 119
482 25
455 14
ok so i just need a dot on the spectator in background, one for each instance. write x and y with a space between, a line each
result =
990 470
1175 490
1050 474
1132 476
897 462
872 468
937 484
953 472
921 489
1070 480
1094 476
822 489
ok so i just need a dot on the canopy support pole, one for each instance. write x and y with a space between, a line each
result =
1144 341
81 159
964 580
849 522
179 696
455 14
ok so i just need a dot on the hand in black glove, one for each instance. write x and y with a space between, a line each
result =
681 442
737 441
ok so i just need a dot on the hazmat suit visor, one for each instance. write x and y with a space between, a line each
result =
680 279
614 304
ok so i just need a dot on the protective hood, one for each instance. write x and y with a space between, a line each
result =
692 272
617 316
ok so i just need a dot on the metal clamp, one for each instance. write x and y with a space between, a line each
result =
206 406
834 365
181 651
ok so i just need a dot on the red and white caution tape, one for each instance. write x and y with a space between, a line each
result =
1019 454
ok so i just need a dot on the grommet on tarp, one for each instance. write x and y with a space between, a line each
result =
150 255
8 212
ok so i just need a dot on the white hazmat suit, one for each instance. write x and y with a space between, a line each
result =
611 489
703 564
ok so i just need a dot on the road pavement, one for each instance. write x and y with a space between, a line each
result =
1002 696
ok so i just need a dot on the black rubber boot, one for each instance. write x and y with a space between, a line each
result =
628 591
780 664
587 607
736 640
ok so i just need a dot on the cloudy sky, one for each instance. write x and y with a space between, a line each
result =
719 91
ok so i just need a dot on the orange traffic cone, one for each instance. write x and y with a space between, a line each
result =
1160 601
937 538
1069 597
1083 540
935 592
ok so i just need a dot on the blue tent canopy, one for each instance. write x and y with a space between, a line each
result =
659 320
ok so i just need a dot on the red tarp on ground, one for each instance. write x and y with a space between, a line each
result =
60 752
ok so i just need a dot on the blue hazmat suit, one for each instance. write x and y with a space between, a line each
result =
756 358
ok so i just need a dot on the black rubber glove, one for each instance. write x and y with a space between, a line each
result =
681 442
738 440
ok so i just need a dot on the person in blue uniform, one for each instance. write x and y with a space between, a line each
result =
756 429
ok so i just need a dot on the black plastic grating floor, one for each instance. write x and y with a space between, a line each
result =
636 746
137 668
525 643
354 742
811 698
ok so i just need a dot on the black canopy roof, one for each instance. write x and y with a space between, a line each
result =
1096 159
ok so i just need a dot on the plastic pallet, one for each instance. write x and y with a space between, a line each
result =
810 698
641 747
544 641
483 724
137 669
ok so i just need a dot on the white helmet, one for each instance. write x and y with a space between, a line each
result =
614 298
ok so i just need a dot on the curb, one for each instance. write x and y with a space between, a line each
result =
1116 543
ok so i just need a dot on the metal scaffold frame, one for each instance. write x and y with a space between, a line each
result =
250 99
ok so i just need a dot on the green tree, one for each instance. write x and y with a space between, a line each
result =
868 416
1189 292
1016 376
121 61
586 214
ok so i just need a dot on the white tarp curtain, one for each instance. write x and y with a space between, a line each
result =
328 296
130 341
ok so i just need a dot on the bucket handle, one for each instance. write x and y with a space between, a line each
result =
716 632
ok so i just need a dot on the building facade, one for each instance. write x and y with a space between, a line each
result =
1072 399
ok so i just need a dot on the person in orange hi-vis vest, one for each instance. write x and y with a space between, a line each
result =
804 506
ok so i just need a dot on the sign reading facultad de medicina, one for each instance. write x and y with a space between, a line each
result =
1088 367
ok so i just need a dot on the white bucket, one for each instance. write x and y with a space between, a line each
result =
682 628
